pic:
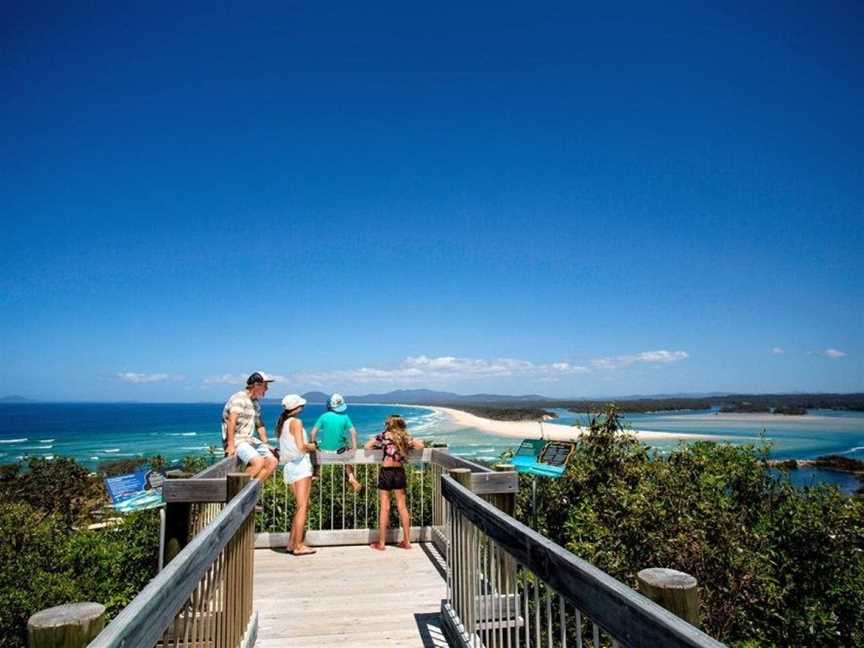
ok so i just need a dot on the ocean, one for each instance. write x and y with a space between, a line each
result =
96 432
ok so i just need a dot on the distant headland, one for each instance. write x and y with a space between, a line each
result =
14 398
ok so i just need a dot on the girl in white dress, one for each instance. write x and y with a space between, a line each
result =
294 449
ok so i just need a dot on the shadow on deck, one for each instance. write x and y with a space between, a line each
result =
350 595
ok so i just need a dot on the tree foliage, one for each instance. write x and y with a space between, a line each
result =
49 557
777 566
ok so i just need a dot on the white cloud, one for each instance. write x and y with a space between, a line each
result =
832 353
644 357
238 379
226 379
778 351
137 378
422 369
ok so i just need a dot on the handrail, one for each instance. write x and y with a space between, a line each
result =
340 516
363 456
145 619
218 469
621 612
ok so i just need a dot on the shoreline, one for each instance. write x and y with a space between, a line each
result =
550 431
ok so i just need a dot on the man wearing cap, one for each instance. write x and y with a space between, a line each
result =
241 419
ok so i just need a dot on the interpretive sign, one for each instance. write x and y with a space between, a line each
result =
136 491
542 458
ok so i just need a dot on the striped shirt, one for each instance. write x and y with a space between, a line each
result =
248 413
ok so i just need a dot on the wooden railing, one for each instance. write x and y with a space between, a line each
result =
203 597
509 586
340 516
506 584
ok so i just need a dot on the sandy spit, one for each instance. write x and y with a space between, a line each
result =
551 431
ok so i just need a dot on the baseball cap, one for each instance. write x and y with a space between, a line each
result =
258 377
293 401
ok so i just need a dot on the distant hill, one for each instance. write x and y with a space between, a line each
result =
420 397
15 399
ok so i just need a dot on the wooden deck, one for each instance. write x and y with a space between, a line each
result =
351 596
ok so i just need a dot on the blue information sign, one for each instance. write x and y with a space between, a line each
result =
136 491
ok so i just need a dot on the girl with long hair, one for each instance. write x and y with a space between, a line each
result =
294 449
396 444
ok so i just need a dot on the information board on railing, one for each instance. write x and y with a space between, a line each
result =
136 491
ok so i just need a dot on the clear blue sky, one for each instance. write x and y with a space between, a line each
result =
535 198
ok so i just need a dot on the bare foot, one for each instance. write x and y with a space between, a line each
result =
404 545
304 551
377 546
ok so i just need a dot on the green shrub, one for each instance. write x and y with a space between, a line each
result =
48 556
44 563
776 565
60 486
33 573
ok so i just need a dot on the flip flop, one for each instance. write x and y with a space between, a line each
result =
404 545
303 553
376 546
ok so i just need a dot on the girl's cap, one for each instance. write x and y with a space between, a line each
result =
293 401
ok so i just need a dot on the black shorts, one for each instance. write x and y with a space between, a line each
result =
391 478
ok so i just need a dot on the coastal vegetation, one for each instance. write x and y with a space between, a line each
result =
777 566
790 410
50 556
751 403
746 407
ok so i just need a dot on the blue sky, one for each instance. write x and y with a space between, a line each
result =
538 198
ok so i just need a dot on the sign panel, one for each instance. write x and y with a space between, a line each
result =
136 491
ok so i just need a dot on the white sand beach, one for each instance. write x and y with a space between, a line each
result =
551 431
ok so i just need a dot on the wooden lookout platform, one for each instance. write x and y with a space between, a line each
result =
476 577
352 596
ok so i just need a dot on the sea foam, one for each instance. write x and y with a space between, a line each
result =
14 440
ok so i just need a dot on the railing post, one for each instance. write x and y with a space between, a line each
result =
66 626
238 570
462 475
177 519
235 483
504 501
672 589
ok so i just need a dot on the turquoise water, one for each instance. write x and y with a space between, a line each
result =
97 432
821 432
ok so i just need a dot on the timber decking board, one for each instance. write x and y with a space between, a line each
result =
349 595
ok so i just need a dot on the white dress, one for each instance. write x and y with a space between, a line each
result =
297 463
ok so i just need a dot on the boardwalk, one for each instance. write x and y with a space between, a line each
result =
351 596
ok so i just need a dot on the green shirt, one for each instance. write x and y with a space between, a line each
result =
333 431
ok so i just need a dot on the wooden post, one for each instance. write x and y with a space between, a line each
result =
504 501
235 483
674 590
462 475
177 520
234 561
66 626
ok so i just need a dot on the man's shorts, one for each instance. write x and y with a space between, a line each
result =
246 452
